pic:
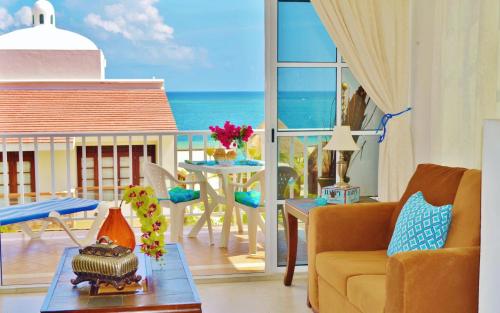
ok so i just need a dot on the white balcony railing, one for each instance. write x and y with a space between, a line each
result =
56 157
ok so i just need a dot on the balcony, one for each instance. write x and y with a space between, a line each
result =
39 166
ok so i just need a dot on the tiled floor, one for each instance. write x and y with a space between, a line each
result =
240 297
26 261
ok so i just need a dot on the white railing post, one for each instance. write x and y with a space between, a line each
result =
52 168
320 163
130 173
176 155
130 161
99 166
5 170
145 152
160 150
37 169
68 167
84 168
115 172
20 169
306 169
190 149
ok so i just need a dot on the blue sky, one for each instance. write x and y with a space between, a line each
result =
195 45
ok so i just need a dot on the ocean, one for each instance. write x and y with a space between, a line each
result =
199 110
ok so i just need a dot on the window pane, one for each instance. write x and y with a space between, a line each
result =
124 172
107 161
107 173
26 166
90 162
124 161
298 156
362 112
90 173
27 177
301 35
306 97
363 165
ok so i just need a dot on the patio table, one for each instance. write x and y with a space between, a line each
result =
224 173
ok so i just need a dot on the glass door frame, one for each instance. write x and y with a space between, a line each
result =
271 125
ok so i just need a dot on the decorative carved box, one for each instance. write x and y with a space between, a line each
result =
105 262
336 195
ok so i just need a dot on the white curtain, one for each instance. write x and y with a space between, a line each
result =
373 37
456 78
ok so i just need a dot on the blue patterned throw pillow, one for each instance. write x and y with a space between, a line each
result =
420 226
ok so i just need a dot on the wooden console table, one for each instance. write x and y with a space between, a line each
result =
171 290
295 210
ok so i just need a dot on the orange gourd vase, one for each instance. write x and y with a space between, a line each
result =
117 229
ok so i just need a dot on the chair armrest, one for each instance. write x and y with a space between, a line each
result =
190 182
361 226
445 281
238 185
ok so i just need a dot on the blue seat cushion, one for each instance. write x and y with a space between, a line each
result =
420 226
179 194
248 198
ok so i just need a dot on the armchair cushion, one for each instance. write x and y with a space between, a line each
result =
420 226
438 183
248 198
352 227
337 267
179 194
367 293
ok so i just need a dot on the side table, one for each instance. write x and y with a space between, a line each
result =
295 210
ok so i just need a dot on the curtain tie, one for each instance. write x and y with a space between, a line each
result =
385 119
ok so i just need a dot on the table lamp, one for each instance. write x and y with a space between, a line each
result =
341 141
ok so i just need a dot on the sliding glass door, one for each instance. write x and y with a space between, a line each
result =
309 90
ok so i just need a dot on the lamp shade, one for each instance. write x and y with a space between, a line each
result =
341 140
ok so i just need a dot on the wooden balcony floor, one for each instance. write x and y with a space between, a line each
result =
26 261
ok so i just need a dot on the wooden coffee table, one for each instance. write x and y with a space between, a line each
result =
171 289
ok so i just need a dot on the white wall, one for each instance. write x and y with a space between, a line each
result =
489 280
51 64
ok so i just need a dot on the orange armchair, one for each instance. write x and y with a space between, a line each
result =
349 270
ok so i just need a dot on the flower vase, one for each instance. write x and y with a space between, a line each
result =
116 228
241 153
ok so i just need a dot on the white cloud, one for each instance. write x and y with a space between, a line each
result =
21 18
6 20
140 22
136 20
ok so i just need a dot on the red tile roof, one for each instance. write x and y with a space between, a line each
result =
80 110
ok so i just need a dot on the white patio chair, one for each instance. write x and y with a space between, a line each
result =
253 213
158 177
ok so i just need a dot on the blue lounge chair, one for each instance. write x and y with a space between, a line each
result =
52 211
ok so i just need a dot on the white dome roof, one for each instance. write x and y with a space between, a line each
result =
45 37
45 8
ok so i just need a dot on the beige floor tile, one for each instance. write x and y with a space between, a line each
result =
240 297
